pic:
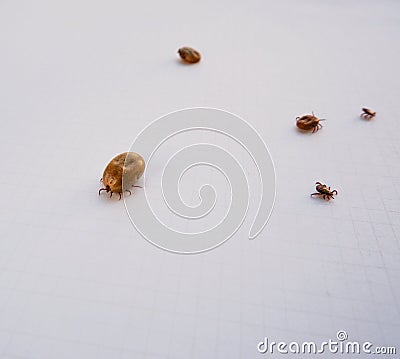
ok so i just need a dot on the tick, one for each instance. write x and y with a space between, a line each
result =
129 166
189 55
309 122
324 191
367 113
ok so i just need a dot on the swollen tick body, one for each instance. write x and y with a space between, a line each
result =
309 122
324 191
367 113
122 173
189 55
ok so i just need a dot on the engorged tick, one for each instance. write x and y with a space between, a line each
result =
189 55
122 173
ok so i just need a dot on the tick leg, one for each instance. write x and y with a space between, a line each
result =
102 189
316 193
334 191
127 190
111 194
138 186
120 195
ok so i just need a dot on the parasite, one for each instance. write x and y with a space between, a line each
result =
309 122
324 191
189 55
367 113
128 166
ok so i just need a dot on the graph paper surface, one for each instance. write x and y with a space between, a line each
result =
80 79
